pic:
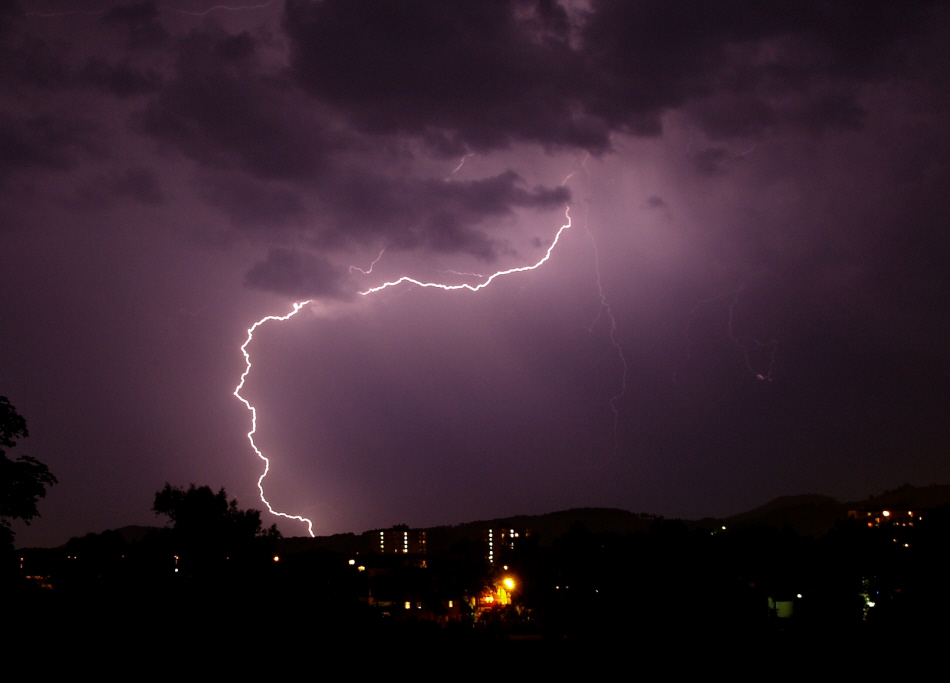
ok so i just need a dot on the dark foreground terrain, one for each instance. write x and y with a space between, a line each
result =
579 590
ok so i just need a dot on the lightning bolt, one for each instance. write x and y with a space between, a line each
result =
300 304
250 434
491 278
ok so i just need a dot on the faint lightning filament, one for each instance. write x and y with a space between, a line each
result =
751 356
460 272
459 167
771 346
605 308
371 265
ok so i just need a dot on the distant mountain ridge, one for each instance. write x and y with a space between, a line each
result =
807 514
553 524
815 515
910 497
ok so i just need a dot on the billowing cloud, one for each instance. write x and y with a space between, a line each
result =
257 206
483 74
140 184
759 191
43 142
121 79
264 148
296 274
434 214
141 22
222 111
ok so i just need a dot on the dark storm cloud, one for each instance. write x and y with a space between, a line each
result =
142 185
33 62
221 110
102 192
434 214
710 161
257 206
774 260
457 77
293 273
264 148
483 74
29 62
44 142
141 23
787 63
133 14
477 76
8 10
737 114
122 79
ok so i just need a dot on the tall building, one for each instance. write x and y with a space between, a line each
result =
502 540
400 539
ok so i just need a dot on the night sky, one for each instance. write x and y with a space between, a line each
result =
752 300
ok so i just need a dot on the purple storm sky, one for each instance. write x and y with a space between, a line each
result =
764 187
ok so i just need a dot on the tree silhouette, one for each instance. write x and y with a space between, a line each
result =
209 530
22 481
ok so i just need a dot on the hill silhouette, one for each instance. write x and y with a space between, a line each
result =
807 514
